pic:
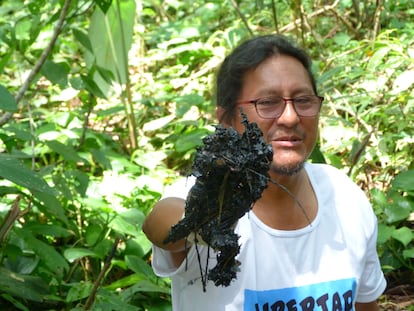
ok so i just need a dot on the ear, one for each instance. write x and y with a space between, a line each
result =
223 117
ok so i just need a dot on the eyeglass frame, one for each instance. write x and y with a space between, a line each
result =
285 101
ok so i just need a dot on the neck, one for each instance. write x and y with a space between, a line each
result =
288 203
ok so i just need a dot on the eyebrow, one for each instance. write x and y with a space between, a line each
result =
294 92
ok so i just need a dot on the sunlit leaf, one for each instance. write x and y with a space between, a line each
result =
71 254
404 181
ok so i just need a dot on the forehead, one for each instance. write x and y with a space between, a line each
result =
277 75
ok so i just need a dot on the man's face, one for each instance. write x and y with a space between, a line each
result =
292 137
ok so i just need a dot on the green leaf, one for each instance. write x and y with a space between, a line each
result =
55 73
83 38
91 86
111 34
404 181
79 291
122 225
48 254
24 286
52 230
190 140
72 254
408 253
384 233
15 171
104 5
7 101
51 206
67 152
139 266
399 210
404 235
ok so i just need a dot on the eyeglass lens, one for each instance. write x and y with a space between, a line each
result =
273 107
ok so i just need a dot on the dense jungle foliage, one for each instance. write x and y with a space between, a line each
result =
102 103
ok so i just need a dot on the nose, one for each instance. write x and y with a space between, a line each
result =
289 117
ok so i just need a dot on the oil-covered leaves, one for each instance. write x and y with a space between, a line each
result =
231 171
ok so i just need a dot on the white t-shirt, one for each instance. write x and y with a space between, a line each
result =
328 265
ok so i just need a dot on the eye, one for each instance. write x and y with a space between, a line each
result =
304 100
270 101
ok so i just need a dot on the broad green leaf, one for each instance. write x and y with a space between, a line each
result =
24 286
51 206
55 73
92 234
404 181
397 211
52 230
67 152
149 159
7 101
404 235
377 58
104 5
123 226
157 123
408 253
72 254
22 264
83 38
79 291
125 282
101 157
15 171
190 141
139 266
91 86
48 254
403 82
384 233
147 286
111 36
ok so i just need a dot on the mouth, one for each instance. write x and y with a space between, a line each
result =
287 141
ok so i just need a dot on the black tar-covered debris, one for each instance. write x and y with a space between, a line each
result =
231 171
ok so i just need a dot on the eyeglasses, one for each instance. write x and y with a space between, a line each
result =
273 106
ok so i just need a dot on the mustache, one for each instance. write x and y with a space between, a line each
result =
281 133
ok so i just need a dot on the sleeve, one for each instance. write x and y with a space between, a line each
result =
372 282
161 259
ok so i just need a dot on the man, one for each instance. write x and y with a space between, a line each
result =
315 252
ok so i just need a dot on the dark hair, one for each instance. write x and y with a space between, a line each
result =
248 55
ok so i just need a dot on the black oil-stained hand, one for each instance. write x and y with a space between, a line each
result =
231 171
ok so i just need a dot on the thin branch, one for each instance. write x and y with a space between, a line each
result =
294 24
236 7
38 66
13 214
101 275
377 19
274 13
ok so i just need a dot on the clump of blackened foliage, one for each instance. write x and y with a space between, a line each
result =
231 171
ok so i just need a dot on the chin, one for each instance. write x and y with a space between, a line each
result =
287 170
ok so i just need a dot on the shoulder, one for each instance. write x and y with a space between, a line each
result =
325 178
335 190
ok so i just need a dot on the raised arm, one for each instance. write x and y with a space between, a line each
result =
164 215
